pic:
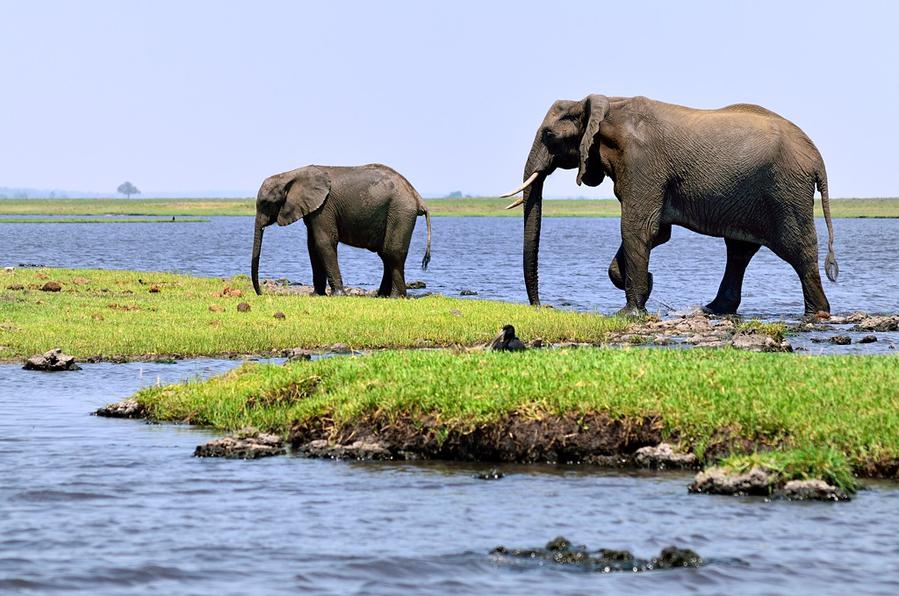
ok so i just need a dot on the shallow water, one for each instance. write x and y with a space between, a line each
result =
120 507
484 254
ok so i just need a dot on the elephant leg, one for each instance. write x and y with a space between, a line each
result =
319 275
639 232
398 279
617 267
327 251
386 279
804 260
739 253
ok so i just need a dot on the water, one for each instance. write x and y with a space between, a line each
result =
105 506
484 255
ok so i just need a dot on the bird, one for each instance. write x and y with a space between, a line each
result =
506 340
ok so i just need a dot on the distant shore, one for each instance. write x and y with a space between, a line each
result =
466 207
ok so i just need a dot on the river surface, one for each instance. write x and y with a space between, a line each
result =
102 506
483 254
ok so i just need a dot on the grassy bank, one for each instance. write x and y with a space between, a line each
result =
97 220
471 207
135 314
820 415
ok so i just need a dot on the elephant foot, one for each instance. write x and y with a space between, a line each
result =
716 307
338 292
631 312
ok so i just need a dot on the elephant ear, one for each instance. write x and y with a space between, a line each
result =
306 193
597 107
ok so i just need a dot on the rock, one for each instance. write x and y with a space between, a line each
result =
467 292
52 361
127 408
51 286
663 456
868 339
364 449
719 481
248 444
673 557
279 315
537 342
812 490
560 551
243 307
297 354
878 323
340 349
841 340
491 474
759 342
154 289
15 287
416 285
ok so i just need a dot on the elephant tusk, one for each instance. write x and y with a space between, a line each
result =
524 185
515 204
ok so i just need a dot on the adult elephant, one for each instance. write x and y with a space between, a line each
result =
740 172
370 206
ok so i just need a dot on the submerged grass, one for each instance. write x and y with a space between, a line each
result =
818 415
465 207
131 314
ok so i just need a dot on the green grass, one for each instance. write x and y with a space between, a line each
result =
113 314
805 463
820 415
96 220
470 207
775 330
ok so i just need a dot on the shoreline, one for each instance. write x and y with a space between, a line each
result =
845 208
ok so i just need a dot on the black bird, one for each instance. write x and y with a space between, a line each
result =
506 340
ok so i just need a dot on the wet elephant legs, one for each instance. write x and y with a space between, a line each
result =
618 267
739 253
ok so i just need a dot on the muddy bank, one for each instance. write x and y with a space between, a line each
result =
565 439
763 482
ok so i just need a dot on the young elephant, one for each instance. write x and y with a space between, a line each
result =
370 206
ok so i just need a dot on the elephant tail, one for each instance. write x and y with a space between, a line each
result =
427 258
830 262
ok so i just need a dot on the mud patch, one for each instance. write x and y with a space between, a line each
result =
589 439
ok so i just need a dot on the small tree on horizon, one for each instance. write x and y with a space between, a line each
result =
128 189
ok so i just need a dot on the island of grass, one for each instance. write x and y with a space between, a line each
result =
465 207
126 315
826 417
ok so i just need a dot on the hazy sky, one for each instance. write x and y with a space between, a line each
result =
189 96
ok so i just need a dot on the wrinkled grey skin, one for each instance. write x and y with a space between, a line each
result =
370 206
741 173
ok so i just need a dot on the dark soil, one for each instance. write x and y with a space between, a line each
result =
591 439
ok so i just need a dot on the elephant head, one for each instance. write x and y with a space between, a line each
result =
285 198
566 139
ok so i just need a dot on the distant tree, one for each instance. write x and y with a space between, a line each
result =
456 194
128 189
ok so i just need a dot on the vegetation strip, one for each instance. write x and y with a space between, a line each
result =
805 417
461 207
117 315
97 220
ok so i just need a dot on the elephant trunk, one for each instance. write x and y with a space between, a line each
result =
538 161
257 248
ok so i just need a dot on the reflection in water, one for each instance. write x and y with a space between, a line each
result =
120 506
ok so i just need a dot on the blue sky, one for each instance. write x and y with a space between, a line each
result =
193 96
